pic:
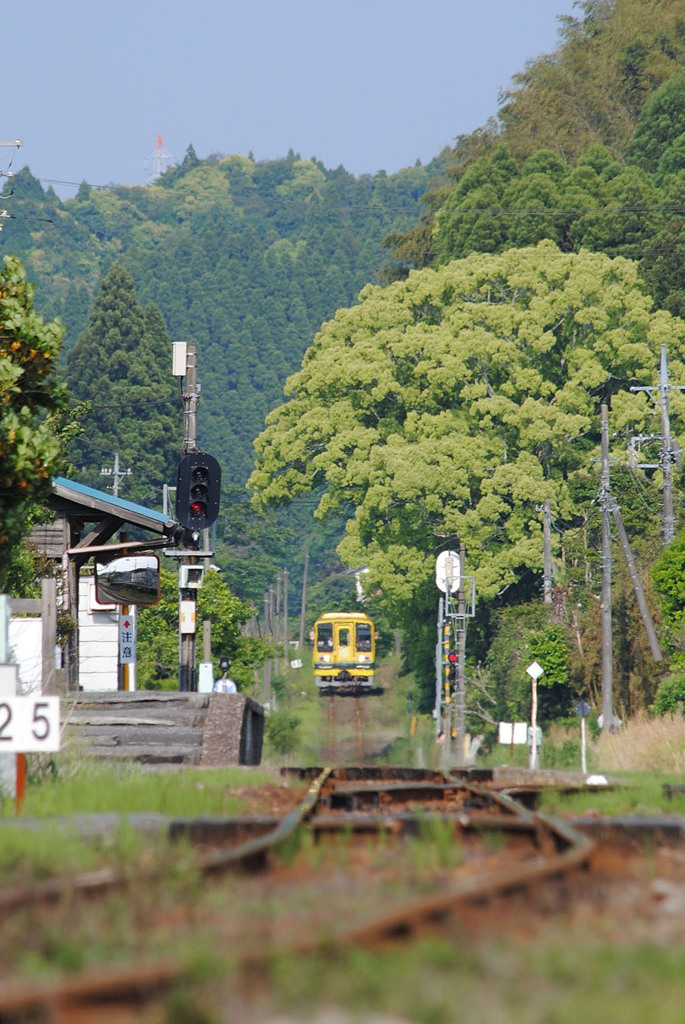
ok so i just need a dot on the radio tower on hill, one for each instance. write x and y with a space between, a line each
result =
158 160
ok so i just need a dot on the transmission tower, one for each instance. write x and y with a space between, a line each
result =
158 160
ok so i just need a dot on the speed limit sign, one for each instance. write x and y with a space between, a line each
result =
29 724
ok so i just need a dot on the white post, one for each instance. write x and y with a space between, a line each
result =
583 746
534 670
533 759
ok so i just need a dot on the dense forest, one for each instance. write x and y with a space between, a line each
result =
445 337
244 260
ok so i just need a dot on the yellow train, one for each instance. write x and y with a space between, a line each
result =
344 652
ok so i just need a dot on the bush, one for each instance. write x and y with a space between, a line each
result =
282 731
670 695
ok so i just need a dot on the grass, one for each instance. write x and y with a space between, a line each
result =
51 844
645 744
463 979
556 977
96 787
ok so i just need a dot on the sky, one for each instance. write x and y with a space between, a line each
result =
370 84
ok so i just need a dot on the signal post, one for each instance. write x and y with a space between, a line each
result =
198 490
457 604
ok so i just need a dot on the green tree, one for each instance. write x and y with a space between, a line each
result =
121 366
158 633
32 409
452 404
668 576
522 635
661 123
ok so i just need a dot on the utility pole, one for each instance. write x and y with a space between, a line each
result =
303 606
667 454
276 621
116 474
547 564
286 631
17 143
610 508
266 696
607 650
666 461
460 694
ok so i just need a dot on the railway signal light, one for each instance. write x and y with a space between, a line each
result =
197 491
452 666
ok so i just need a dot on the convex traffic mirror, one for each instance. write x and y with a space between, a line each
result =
130 579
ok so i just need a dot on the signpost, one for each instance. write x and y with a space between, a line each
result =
534 670
583 709
28 725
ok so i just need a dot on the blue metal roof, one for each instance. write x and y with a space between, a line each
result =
107 502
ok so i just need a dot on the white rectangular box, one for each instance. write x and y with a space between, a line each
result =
513 732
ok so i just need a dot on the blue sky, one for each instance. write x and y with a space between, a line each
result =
369 84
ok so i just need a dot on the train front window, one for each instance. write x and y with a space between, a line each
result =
363 637
324 636
344 637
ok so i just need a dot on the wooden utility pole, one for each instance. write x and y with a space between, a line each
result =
607 650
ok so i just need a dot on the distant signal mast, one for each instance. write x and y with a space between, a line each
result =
158 160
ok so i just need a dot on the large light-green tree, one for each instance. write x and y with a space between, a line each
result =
451 405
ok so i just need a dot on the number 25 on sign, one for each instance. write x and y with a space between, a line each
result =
29 724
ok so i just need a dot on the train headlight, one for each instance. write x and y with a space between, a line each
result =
326 657
363 657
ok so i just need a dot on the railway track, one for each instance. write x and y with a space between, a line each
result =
358 807
346 715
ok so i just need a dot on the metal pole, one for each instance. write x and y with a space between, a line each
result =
190 399
439 672
666 462
286 632
303 606
460 703
547 540
607 652
187 596
267 664
276 620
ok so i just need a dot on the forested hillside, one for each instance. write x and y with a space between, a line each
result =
587 148
242 259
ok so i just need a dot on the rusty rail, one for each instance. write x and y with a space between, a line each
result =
465 805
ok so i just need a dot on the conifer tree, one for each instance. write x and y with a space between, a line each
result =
121 365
